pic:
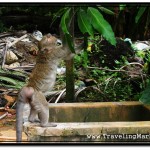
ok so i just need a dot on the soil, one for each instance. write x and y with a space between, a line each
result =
7 129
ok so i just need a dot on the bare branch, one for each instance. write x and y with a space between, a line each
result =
4 55
120 70
4 115
63 91
19 39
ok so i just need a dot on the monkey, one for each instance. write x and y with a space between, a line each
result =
41 81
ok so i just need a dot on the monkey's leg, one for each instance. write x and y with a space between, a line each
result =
44 118
32 117
40 105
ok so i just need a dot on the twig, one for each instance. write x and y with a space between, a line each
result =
79 91
63 91
2 109
84 88
52 93
4 55
133 63
120 70
14 104
4 115
23 67
19 39
2 44
107 69
2 35
22 71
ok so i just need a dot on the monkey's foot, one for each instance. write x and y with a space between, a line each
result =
35 120
48 125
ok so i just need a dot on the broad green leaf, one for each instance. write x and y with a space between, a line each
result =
145 98
107 11
84 23
9 80
69 41
101 25
139 14
64 22
18 86
64 25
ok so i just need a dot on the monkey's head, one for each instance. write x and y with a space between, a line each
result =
49 41
49 48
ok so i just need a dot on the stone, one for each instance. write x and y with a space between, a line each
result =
89 131
93 122
10 57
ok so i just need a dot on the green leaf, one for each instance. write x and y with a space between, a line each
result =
69 41
57 14
64 25
101 25
9 80
139 14
107 11
145 98
84 23
64 22
122 7
12 82
85 59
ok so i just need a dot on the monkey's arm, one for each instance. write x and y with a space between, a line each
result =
70 55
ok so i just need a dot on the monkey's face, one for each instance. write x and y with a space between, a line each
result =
48 46
49 41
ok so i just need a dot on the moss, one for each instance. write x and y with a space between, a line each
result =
70 132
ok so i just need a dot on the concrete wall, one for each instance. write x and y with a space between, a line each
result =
99 112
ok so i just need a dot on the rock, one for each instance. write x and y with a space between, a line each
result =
37 35
141 46
14 65
61 70
10 57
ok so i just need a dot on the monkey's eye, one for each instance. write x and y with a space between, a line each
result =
58 42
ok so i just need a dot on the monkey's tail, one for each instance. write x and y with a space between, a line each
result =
19 120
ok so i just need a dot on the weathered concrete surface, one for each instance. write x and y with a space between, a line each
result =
90 131
94 122
99 112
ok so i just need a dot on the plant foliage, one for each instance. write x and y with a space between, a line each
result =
65 21
139 14
89 19
145 98
101 25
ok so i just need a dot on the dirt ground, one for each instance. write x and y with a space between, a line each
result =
7 129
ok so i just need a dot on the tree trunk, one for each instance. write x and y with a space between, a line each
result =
70 67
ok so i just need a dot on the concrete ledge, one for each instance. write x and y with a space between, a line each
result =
95 131
94 122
